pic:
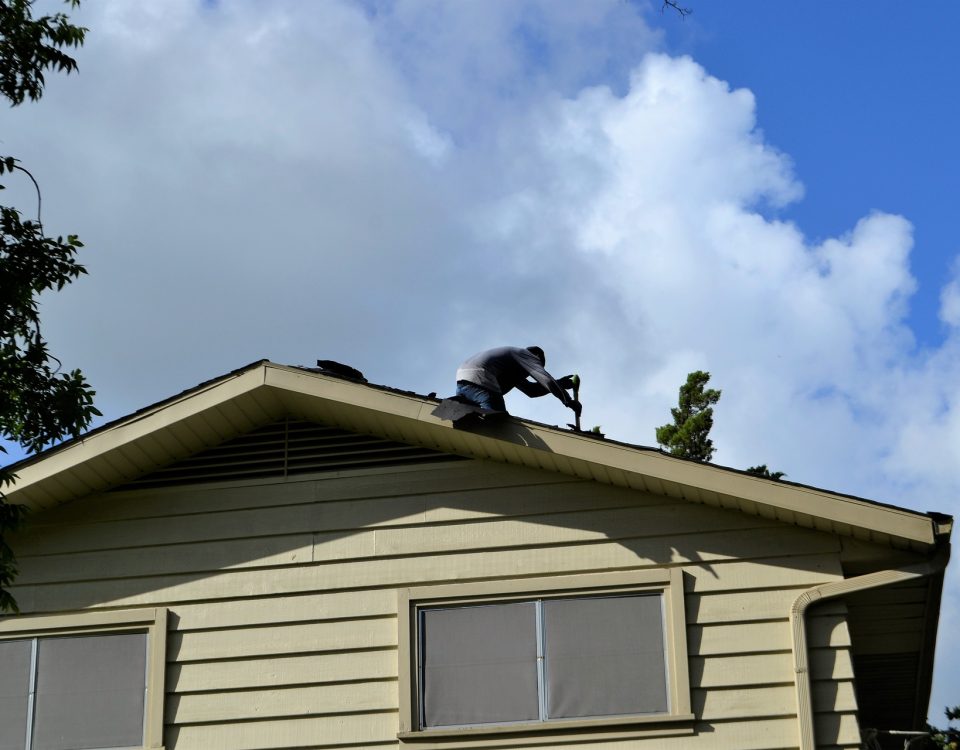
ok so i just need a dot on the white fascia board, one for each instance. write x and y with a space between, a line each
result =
347 393
896 522
134 428
546 446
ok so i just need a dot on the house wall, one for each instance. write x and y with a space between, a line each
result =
283 608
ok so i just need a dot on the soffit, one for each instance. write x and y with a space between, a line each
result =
893 631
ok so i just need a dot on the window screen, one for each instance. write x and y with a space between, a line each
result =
604 656
14 693
547 659
479 665
88 692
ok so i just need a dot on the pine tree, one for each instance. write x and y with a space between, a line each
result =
763 471
688 436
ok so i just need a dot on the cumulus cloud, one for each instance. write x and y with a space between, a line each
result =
950 299
401 183
656 210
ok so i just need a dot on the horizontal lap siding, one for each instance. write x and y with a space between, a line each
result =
367 696
283 605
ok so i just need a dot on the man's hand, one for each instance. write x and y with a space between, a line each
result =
566 382
576 406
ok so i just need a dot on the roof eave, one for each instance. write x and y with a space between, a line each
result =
264 391
409 418
116 452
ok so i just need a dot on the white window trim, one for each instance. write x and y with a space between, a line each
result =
668 582
151 621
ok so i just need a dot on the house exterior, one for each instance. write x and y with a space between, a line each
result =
281 558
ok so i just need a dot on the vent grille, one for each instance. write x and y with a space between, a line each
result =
285 449
886 692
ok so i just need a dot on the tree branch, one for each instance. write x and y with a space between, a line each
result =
39 197
684 12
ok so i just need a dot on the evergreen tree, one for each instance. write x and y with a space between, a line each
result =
949 738
763 471
688 435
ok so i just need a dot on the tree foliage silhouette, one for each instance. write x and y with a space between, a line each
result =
39 404
763 471
688 436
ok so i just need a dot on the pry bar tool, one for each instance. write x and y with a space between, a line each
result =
575 379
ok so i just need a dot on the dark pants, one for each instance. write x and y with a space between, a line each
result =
480 396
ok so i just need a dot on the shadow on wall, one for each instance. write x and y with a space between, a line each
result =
466 519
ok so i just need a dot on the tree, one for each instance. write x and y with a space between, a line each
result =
763 471
949 738
688 436
39 405
684 12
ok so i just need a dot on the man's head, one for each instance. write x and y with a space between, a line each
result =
537 352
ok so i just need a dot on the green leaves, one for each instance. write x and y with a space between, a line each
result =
29 46
688 436
39 405
949 738
763 471
11 517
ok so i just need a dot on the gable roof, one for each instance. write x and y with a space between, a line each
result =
263 391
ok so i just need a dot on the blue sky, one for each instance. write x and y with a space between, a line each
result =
863 100
761 190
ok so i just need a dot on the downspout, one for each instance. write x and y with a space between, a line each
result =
798 624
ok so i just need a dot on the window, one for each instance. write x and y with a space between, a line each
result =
545 654
82 681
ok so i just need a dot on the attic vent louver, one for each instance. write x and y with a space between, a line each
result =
285 449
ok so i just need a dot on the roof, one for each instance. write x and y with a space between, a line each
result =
263 391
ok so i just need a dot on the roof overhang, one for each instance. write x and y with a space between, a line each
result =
263 392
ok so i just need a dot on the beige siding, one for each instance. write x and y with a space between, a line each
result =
283 608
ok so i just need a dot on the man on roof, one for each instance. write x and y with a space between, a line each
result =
485 377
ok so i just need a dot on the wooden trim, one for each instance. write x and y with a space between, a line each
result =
571 730
156 681
667 581
594 583
153 621
677 644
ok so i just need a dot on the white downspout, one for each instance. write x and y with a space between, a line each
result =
935 564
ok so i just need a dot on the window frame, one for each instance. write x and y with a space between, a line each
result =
151 621
667 582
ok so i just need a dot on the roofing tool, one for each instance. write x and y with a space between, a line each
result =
575 380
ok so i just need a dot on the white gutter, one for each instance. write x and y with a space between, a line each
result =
934 565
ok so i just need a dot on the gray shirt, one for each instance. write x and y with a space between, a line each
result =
501 370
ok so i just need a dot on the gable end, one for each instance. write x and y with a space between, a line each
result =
288 448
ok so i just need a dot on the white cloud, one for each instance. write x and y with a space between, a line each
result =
366 183
400 184
950 299
649 206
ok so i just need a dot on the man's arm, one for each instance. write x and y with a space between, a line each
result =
533 390
545 383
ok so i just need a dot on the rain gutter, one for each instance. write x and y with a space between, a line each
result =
936 564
